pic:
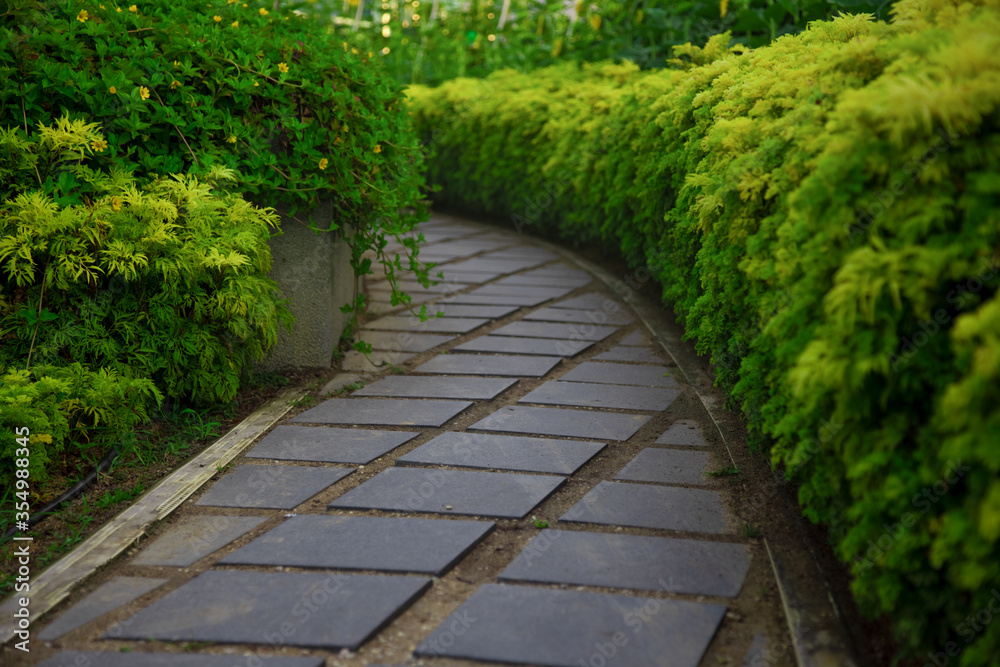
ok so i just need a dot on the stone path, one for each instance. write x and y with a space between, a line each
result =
532 490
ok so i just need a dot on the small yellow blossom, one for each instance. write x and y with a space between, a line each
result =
100 5
177 63
118 9
217 18
82 16
175 84
231 139
378 148
99 145
236 24
282 67
323 163
337 140
354 51
723 8
263 12
255 84
116 204
112 90
143 93
134 9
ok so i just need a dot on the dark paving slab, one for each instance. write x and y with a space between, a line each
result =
412 286
522 252
599 317
237 607
636 338
525 300
426 546
432 325
636 355
568 423
514 345
645 506
460 310
402 341
594 395
331 445
545 281
195 537
556 270
503 452
489 364
555 330
666 466
638 562
684 433
273 487
501 266
144 659
110 595
382 412
591 301
522 290
538 626
409 386
451 276
624 374
491 494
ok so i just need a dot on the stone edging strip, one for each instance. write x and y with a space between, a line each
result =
818 636
51 586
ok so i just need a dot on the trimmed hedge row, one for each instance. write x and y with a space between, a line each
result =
823 215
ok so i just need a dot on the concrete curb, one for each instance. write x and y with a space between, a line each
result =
815 623
51 586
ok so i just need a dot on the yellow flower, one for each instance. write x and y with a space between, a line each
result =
177 63
337 140
323 163
231 139
595 21
236 24
263 12
116 204
134 9
723 8
217 18
175 84
282 67
82 16
118 9
255 84
143 93
354 51
99 145
100 5
112 90
378 148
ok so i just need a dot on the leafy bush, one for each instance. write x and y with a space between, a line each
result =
822 214
63 407
432 42
167 282
186 86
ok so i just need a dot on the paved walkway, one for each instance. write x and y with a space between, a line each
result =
531 491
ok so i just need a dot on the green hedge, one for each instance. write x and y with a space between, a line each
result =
823 215
184 86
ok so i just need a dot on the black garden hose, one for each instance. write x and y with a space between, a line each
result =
72 493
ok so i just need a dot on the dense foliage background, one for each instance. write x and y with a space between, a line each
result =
431 41
823 214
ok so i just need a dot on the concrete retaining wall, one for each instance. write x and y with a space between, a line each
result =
314 273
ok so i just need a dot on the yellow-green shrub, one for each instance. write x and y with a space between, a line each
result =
823 214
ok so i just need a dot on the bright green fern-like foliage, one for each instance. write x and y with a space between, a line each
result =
55 409
823 214
166 282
